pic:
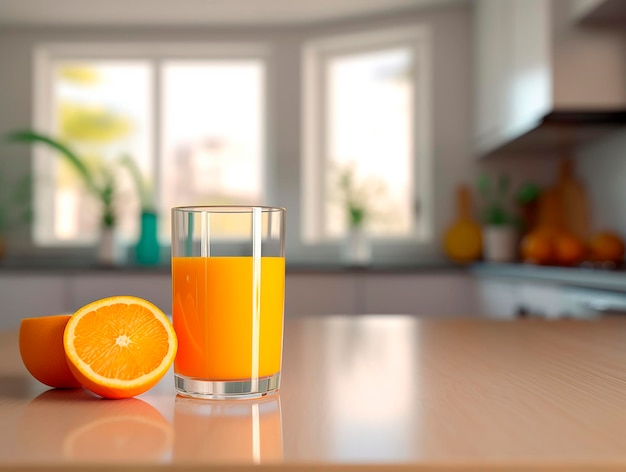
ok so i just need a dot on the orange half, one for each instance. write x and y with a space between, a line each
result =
119 347
41 349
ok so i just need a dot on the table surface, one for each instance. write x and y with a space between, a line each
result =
393 391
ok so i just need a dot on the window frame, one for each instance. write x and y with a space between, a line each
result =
155 54
317 54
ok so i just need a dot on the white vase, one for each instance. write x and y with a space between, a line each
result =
356 250
500 243
107 248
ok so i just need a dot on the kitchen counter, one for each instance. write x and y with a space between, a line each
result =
397 392
72 266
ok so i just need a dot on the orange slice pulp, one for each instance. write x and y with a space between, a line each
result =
120 346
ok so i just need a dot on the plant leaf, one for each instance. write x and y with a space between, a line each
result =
145 196
81 168
483 185
106 195
504 183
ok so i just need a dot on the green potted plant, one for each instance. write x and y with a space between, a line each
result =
147 250
99 183
357 199
500 232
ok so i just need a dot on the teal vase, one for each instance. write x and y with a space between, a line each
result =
147 251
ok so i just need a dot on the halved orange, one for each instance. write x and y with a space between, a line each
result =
42 352
120 346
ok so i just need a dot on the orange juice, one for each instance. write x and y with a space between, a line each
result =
214 317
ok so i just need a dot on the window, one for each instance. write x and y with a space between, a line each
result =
367 116
212 133
190 116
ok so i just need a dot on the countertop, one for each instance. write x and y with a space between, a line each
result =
72 266
390 392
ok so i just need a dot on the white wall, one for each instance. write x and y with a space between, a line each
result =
602 167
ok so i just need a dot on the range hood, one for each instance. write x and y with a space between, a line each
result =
562 131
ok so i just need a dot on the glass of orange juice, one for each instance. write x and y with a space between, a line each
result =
228 285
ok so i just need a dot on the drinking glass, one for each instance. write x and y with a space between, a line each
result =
228 284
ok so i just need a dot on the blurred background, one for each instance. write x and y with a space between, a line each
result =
436 157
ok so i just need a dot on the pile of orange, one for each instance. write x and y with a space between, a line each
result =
606 246
552 246
537 247
116 347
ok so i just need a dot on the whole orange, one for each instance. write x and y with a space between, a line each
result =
537 247
42 351
606 246
569 250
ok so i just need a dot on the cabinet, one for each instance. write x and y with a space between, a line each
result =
370 293
86 288
26 295
513 69
542 81
543 300
313 294
508 298
498 298
432 295
323 293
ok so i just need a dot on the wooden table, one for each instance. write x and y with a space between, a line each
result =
378 391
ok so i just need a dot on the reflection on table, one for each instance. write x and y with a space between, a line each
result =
228 431
62 425
72 425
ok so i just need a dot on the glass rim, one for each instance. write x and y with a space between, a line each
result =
227 209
